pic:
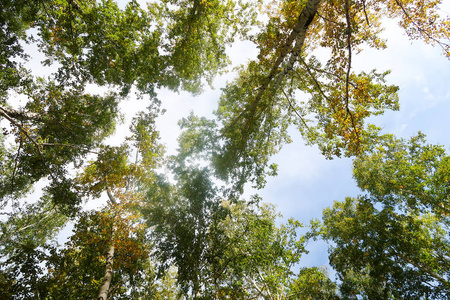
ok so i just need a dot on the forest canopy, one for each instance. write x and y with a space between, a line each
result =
182 226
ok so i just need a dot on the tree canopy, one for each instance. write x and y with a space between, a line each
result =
180 227
393 242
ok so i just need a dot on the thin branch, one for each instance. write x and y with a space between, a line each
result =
326 19
314 79
421 267
70 146
329 73
424 32
45 8
365 12
15 166
264 282
349 66
260 292
295 111
35 224
20 127
4 113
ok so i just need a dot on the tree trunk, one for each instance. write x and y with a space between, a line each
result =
104 288
19 115
297 35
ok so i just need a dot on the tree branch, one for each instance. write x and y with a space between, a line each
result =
295 111
19 115
297 35
444 46
110 196
20 127
349 66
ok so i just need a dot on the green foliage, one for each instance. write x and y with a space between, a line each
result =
100 43
62 126
288 86
207 242
313 283
394 241
32 224
15 19
254 257
409 175
225 249
12 184
180 219
24 249
21 273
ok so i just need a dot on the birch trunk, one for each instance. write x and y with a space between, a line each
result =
298 35
104 288
106 283
19 115
293 45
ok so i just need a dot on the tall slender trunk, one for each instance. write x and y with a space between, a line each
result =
104 288
106 283
297 35
103 293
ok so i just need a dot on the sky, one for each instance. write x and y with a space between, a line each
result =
307 182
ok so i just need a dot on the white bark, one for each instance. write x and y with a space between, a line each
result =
297 35
106 283
19 115
104 288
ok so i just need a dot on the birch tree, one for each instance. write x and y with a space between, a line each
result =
323 97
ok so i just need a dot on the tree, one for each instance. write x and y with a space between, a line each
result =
78 270
313 283
255 257
287 85
222 247
393 242
97 43
181 219
105 242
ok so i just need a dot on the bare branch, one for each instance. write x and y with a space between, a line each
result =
295 111
365 12
349 66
